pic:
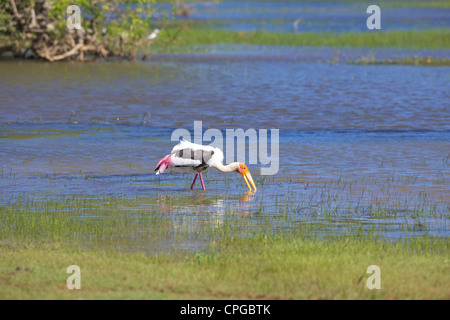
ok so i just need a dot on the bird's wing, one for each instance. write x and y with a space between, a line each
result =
185 162
193 146
190 154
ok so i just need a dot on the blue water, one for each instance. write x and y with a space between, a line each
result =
311 16
352 138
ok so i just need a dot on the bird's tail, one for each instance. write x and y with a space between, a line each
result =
163 164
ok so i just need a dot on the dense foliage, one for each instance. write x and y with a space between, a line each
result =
38 28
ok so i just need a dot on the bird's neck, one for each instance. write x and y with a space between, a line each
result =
226 168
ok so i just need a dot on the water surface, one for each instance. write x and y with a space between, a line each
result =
310 16
355 141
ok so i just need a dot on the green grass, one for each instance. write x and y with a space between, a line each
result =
185 39
284 248
258 268
240 258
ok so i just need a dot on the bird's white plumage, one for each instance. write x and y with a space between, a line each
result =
153 35
198 158
186 145
183 144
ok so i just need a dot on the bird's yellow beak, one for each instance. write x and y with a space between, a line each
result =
245 173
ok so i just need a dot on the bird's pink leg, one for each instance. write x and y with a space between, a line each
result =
201 179
192 185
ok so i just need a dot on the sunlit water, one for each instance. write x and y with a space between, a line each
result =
352 138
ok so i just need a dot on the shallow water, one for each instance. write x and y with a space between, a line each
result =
355 141
296 94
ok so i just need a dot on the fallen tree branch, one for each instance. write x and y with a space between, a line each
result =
75 50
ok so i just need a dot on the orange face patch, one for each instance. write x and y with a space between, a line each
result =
243 169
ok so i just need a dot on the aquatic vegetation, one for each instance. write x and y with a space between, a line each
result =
301 206
186 39
415 4
419 61
194 244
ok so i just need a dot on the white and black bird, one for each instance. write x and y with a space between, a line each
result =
200 158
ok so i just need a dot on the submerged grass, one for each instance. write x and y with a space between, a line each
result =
417 61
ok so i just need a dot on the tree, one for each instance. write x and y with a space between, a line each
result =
39 29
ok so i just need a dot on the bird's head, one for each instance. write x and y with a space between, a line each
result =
245 173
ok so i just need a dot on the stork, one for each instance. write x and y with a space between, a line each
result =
199 158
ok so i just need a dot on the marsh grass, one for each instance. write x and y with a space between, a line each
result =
186 39
298 237
391 207
416 61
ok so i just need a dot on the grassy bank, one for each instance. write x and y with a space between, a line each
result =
113 241
184 39
259 268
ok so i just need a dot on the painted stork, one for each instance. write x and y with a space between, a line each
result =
199 158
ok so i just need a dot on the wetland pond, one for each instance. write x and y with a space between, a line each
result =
363 149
